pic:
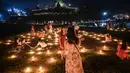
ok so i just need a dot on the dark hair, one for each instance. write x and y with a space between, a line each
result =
62 29
72 39
124 45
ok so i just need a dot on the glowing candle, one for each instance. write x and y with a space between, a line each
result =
38 49
28 40
103 41
83 50
39 53
100 52
50 44
28 34
31 52
28 70
56 43
33 58
7 43
41 70
56 40
51 60
105 48
33 37
115 40
128 47
98 38
13 57
42 38
102 36
111 29
122 30
0 42
49 37
28 37
59 52
48 52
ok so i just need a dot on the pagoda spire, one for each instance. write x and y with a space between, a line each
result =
59 1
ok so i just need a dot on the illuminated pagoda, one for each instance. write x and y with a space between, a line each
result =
59 12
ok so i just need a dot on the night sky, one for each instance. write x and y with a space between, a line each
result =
93 7
97 3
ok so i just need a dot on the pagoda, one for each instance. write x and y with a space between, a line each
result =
59 12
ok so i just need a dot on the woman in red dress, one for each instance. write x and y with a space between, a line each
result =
122 50
32 31
62 42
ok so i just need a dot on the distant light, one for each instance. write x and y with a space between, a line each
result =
19 14
104 13
0 15
69 4
9 10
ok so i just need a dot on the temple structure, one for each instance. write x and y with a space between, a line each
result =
60 12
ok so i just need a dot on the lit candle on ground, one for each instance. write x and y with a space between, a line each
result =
103 41
105 48
41 70
42 38
100 52
111 29
31 52
115 40
28 34
49 37
59 52
83 50
56 43
56 40
33 37
129 47
51 60
0 42
33 58
48 52
28 37
39 53
98 38
38 49
13 57
28 70
7 43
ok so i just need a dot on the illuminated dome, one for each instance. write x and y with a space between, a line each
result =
61 3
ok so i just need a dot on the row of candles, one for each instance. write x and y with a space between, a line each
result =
118 29
53 60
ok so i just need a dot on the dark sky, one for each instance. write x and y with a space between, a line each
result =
93 7
99 3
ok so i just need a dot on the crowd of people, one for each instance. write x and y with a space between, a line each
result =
69 43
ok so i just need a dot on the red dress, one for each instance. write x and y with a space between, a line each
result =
32 31
62 40
121 53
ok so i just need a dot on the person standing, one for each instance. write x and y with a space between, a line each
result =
73 62
32 31
122 50
62 42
